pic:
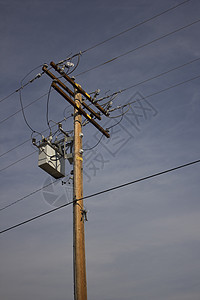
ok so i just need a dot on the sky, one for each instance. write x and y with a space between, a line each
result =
143 240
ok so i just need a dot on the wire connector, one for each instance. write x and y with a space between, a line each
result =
84 215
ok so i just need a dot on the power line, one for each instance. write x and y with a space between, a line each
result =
139 47
24 85
109 61
47 112
91 148
28 140
23 113
162 74
112 37
21 144
36 77
8 96
156 93
148 96
102 192
149 79
18 111
169 88
115 93
32 193
103 42
12 164
132 86
134 26
19 160
120 91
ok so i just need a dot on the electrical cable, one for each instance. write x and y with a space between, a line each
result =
101 192
8 96
134 26
47 113
144 81
116 35
12 164
64 112
21 199
22 109
166 89
156 93
122 116
153 94
114 94
99 141
30 81
28 140
77 64
139 47
148 79
22 86
18 111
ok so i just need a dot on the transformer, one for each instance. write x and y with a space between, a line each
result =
51 160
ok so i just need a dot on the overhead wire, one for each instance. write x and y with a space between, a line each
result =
112 59
8 96
132 86
122 114
99 141
116 35
21 159
148 79
144 97
117 187
28 140
112 126
24 85
25 119
25 106
37 76
17 161
120 120
25 197
135 26
158 92
138 47
77 64
47 112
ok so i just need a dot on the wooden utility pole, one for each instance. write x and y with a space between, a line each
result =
80 282
79 214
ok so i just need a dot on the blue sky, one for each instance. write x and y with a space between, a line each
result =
142 242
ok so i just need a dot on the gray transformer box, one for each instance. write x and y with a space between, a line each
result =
51 161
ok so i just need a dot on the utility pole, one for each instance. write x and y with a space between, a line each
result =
81 108
80 281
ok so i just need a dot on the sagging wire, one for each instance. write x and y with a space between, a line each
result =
108 105
68 58
99 141
69 64
122 116
20 94
119 107
30 81
77 64
22 108
111 117
47 112
64 112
